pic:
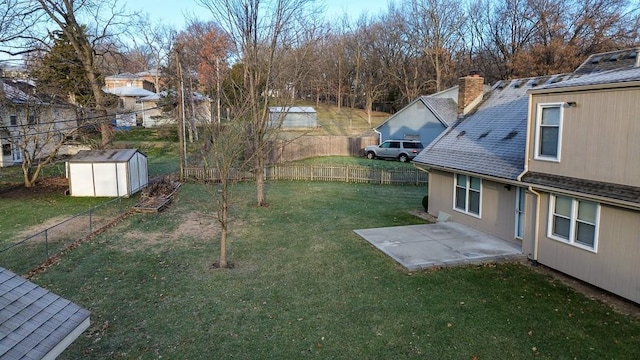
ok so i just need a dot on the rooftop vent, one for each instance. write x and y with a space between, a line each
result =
483 135
510 135
461 134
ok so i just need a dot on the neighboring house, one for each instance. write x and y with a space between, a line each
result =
550 162
142 80
423 119
136 106
29 123
293 118
140 107
36 323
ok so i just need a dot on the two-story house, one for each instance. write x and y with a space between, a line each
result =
552 163
583 175
31 127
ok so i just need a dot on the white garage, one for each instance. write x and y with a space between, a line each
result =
108 173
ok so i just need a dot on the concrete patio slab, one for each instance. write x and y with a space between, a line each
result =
441 244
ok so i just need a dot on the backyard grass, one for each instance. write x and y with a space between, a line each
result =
305 286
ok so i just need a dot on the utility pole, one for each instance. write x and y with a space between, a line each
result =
181 129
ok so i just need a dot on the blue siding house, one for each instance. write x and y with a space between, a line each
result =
423 119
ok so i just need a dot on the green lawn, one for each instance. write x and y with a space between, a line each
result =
305 286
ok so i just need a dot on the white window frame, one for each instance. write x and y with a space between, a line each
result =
573 223
467 187
537 154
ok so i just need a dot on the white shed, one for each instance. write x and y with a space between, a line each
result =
295 117
110 173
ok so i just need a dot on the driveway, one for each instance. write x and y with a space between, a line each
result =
441 244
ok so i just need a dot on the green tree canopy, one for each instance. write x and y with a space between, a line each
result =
59 72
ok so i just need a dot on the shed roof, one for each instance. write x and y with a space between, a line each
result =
292 109
34 322
104 156
490 140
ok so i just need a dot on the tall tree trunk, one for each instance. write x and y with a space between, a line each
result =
224 222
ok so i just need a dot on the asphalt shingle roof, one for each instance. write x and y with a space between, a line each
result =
491 140
589 187
444 108
599 78
609 61
33 321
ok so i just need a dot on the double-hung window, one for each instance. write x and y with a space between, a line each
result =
467 194
574 221
548 132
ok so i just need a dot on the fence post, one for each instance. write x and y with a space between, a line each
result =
46 242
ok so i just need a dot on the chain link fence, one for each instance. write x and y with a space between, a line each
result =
26 254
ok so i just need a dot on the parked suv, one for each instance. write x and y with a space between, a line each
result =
403 150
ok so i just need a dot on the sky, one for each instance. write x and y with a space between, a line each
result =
175 12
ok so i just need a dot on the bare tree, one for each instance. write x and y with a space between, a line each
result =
437 28
36 131
86 40
224 153
156 42
259 30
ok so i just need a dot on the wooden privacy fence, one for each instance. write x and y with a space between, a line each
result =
354 174
309 146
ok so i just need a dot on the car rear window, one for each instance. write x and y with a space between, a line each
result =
412 145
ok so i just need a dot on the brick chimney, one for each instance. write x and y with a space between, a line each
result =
470 91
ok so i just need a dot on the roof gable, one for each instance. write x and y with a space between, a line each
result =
444 109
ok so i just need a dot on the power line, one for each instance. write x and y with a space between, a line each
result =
73 128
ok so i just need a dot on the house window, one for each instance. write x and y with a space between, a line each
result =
6 149
31 120
548 131
574 221
390 145
466 197
13 120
